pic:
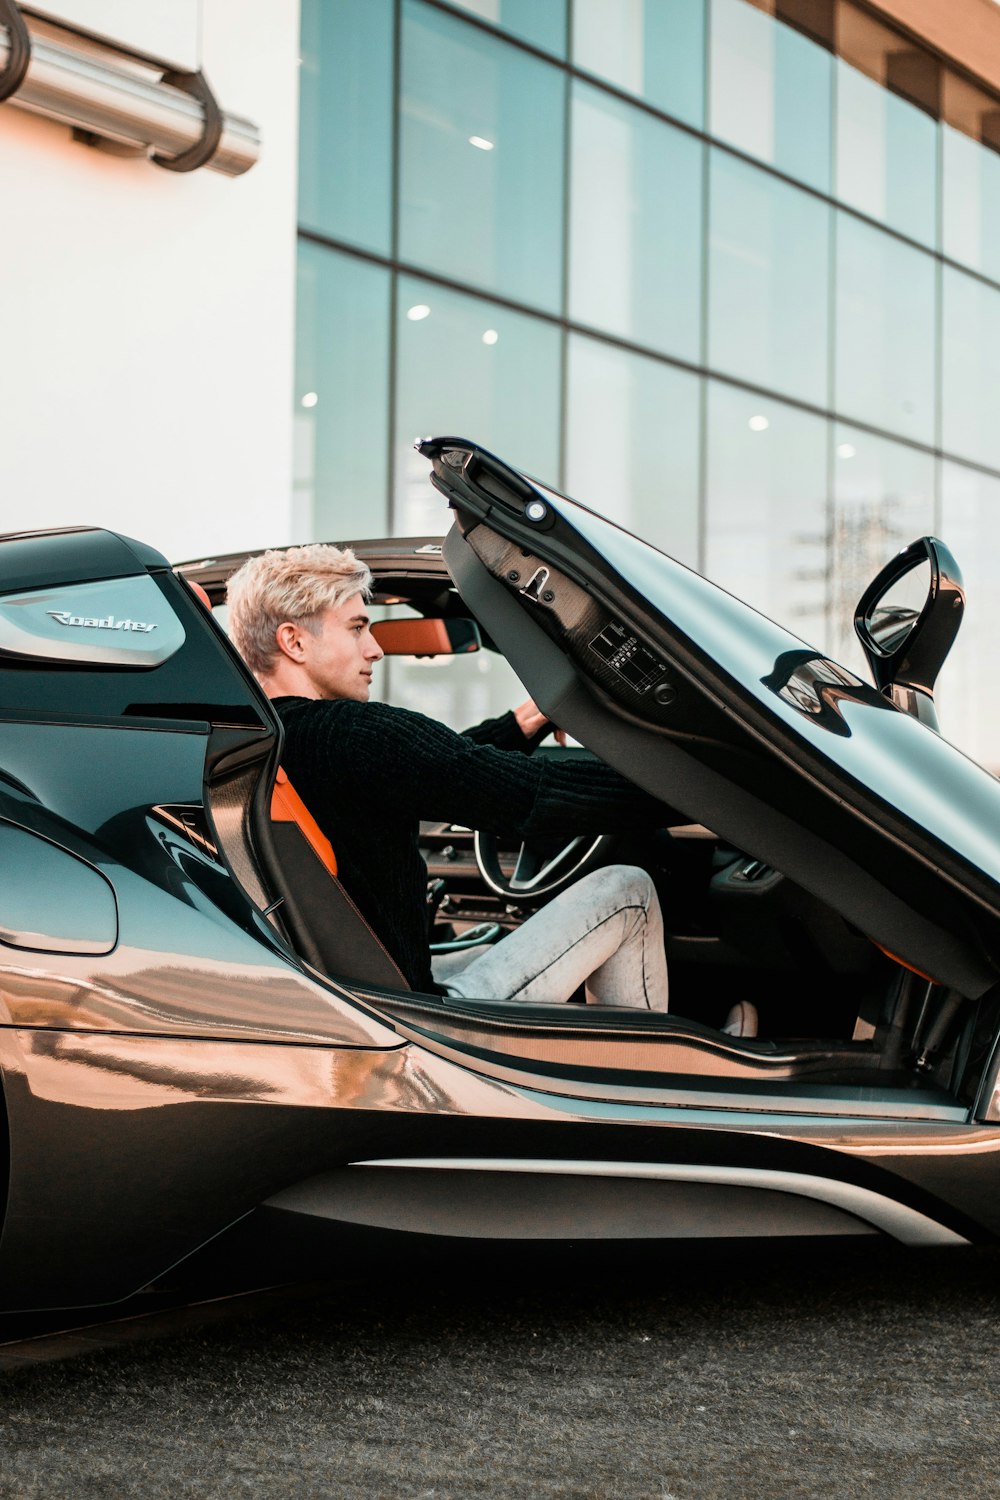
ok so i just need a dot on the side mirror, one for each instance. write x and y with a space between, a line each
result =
435 637
907 620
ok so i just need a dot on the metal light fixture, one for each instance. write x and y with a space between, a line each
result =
119 100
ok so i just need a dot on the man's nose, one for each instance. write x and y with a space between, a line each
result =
374 651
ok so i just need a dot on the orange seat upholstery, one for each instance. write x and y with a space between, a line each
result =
200 593
322 921
288 807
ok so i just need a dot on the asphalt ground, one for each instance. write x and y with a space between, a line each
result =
788 1372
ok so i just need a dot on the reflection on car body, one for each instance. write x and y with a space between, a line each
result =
181 1060
817 686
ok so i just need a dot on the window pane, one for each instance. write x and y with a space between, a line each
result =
886 156
345 120
470 369
771 92
481 159
632 443
885 331
341 396
635 226
457 690
542 22
883 498
971 202
971 368
969 694
768 269
766 515
652 48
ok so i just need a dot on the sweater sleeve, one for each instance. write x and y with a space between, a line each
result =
504 733
418 768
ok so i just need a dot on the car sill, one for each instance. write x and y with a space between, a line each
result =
889 1217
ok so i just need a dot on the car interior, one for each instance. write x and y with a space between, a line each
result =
840 1018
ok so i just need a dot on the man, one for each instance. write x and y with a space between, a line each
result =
369 773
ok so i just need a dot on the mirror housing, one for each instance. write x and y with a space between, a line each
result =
907 635
434 637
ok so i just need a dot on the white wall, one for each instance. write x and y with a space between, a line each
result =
169 30
147 317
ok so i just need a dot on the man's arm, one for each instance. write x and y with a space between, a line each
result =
523 728
421 769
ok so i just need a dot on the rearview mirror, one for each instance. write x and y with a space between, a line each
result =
427 637
907 620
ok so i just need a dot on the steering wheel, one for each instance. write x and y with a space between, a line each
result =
536 874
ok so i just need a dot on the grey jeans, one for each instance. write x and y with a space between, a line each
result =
604 932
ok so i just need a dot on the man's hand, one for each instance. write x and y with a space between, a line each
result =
530 720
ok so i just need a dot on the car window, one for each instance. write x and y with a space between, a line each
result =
457 690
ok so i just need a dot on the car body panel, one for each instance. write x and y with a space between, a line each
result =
182 965
129 1152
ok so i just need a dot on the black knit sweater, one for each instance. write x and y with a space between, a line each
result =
369 773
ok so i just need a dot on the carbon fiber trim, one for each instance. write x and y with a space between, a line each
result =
229 804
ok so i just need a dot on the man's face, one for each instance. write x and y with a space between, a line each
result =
340 657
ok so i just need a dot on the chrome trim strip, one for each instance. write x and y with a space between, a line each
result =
92 86
904 1224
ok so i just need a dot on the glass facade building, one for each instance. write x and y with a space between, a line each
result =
728 271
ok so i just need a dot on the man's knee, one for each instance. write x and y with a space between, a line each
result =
630 885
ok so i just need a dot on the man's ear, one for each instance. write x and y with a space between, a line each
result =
288 638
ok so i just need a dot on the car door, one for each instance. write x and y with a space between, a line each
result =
734 720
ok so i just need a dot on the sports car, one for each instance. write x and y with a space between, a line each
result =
201 1039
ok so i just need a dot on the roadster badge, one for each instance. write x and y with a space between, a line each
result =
106 622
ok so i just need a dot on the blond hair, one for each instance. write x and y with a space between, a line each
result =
298 584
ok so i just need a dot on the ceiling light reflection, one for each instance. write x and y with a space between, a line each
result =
480 142
490 336
418 312
310 398
758 423
846 450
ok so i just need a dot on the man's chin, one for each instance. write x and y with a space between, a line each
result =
351 694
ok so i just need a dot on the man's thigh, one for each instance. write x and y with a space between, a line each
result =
552 954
